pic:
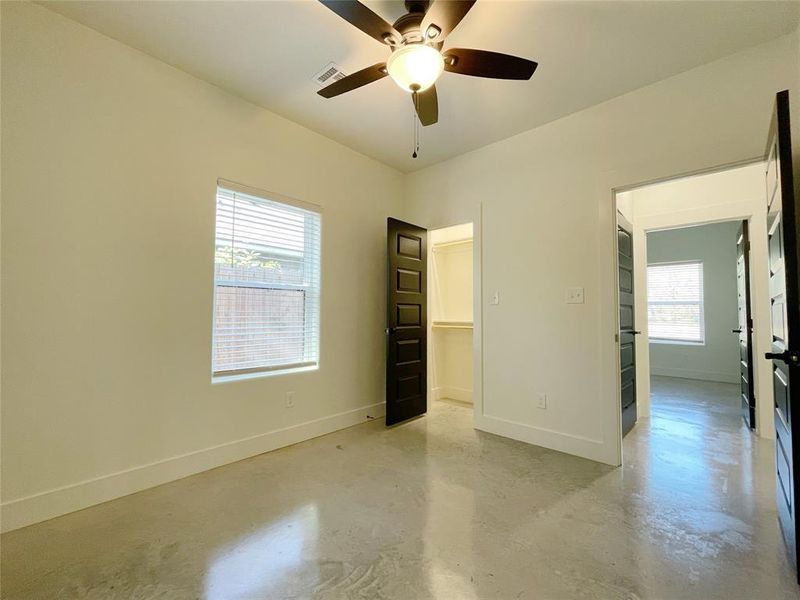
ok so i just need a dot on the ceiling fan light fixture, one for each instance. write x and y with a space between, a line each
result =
415 67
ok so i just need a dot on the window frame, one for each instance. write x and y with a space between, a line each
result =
700 302
312 315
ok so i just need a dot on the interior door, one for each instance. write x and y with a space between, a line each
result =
627 331
407 322
745 326
784 269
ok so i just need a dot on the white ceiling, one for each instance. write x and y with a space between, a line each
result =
588 52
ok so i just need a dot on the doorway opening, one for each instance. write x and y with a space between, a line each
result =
451 323
433 332
694 306
700 330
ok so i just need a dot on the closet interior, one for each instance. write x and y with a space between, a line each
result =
450 304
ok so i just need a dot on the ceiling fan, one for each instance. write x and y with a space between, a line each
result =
417 60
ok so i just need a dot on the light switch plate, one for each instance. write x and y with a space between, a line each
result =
574 295
495 298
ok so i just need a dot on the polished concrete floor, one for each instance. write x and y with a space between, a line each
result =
434 509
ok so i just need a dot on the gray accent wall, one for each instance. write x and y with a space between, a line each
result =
718 358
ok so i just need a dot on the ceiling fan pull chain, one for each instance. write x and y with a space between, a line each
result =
415 98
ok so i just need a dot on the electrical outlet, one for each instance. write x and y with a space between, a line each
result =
289 399
574 295
542 403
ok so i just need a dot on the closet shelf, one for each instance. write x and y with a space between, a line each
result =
452 324
443 245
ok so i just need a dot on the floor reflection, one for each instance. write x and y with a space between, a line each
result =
694 459
259 564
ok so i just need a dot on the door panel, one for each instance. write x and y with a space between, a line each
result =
745 325
784 282
627 322
407 326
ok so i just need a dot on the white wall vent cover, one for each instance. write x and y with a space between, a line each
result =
329 73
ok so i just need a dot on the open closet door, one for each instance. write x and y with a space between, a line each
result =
784 284
745 326
407 322
627 324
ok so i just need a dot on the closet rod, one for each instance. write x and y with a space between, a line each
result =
453 324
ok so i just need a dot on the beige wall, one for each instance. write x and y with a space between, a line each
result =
547 224
109 166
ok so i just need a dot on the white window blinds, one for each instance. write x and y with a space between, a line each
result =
266 285
675 302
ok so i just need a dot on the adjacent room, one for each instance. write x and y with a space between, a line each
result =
698 376
445 299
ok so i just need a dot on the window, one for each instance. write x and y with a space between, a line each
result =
675 302
266 284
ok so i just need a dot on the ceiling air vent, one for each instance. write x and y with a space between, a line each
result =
329 73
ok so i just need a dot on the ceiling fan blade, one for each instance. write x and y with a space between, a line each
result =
427 105
444 15
367 21
482 63
355 80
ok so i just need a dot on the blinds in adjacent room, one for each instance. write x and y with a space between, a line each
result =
266 285
675 302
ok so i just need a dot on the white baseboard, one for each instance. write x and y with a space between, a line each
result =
52 503
453 393
576 445
719 376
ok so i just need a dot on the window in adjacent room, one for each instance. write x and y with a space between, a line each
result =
675 302
266 284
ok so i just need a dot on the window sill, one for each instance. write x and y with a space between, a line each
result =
260 374
676 342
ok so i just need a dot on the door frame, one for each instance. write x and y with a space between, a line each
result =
734 211
477 307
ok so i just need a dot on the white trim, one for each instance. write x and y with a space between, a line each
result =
267 195
576 445
25 511
452 393
243 375
477 313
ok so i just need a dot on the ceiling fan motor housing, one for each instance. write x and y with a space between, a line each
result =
409 27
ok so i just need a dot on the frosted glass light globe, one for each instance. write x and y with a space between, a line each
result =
415 65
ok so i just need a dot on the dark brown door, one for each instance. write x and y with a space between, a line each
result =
784 273
627 322
745 326
407 325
